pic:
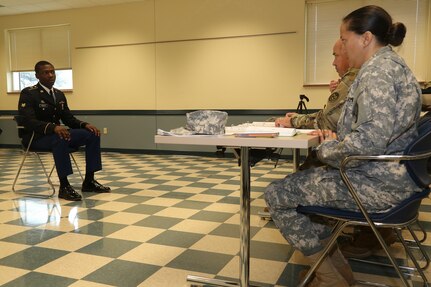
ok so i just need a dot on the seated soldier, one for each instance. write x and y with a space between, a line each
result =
363 242
327 118
42 107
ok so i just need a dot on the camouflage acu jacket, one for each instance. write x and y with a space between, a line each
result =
328 117
379 116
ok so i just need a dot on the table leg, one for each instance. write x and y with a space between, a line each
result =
245 219
296 155
244 268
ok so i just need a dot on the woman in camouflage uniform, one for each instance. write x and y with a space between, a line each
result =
379 117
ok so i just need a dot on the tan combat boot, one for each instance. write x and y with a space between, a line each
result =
326 275
342 265
340 262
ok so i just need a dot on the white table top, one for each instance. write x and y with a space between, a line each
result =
299 141
6 117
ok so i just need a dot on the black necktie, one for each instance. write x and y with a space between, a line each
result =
52 95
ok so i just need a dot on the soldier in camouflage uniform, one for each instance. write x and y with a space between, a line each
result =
379 117
326 118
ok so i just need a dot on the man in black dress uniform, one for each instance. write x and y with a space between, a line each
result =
42 107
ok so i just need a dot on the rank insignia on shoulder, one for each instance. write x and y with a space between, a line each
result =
22 105
41 91
334 97
32 87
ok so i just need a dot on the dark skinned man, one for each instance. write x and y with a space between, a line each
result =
42 107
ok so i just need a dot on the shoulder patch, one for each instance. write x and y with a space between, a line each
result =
30 88
334 96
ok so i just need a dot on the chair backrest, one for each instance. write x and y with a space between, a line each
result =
422 144
423 120
19 122
20 125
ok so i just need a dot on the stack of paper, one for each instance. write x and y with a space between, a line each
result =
260 127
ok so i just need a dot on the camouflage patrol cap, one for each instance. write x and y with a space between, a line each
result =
207 122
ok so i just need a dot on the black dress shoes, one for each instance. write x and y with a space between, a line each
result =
68 193
94 186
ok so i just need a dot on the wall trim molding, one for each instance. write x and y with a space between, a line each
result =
189 40
232 112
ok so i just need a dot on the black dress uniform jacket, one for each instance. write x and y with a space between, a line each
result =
40 113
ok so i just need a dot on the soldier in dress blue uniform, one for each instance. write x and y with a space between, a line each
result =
378 117
42 107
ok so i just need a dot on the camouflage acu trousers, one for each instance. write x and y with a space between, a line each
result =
323 186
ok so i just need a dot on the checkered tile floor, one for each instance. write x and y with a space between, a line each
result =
167 216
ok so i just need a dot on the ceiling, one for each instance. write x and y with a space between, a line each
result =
14 7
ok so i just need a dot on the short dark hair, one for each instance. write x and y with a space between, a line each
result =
376 20
39 65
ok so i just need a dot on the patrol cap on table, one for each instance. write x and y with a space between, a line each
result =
208 122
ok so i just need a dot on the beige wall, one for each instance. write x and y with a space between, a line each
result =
139 56
428 60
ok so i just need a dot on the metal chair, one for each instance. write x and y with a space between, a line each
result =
422 127
402 217
28 150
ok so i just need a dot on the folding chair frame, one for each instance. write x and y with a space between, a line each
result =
367 221
27 151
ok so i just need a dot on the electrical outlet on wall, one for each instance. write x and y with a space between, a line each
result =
105 131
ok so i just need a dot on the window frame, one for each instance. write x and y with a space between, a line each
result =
51 43
61 74
318 68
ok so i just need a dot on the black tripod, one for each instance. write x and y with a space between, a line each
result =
302 108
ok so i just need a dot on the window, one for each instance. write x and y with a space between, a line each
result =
27 46
20 80
323 25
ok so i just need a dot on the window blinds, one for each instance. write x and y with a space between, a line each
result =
30 45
